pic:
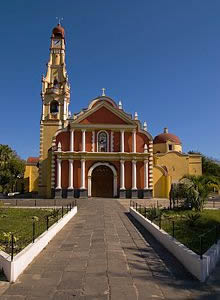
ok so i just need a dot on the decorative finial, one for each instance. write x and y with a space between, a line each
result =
145 125
165 130
120 104
59 149
103 92
145 148
59 20
136 116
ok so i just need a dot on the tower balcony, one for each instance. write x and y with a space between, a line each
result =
56 91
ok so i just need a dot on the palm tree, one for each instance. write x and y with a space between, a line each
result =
199 189
6 154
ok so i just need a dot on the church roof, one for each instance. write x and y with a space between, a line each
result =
58 31
97 100
33 160
166 137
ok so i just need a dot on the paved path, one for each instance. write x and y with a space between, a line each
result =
101 255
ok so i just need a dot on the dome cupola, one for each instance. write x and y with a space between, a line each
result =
166 142
165 137
58 31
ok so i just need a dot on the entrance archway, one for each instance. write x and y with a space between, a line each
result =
102 180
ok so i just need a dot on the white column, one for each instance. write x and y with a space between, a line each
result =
58 187
122 141
83 140
43 111
72 140
64 110
112 141
134 175
146 174
151 165
93 141
83 164
122 173
70 187
134 141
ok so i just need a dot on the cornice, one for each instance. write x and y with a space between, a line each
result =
102 126
110 156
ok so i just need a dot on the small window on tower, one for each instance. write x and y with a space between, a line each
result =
56 83
170 147
54 107
102 141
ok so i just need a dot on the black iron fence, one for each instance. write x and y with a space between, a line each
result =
11 202
14 242
199 243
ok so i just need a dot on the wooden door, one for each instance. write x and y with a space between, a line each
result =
102 182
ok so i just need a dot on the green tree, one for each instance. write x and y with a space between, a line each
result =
210 166
199 188
11 168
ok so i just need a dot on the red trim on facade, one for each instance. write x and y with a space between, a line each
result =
77 174
103 116
128 174
117 141
77 140
89 141
65 174
140 175
64 139
128 142
141 140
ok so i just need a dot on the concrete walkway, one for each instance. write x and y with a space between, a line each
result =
100 254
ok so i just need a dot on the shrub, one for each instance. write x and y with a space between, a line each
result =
192 218
153 213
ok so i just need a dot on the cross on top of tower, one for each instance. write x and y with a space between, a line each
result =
59 20
103 91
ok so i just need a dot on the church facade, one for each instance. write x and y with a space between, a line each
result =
102 151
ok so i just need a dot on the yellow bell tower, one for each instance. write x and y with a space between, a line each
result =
55 96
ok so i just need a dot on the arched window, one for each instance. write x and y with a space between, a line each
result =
102 141
55 83
54 107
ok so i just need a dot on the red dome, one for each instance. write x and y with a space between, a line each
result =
58 31
165 137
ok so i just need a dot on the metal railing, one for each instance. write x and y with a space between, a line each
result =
200 244
14 244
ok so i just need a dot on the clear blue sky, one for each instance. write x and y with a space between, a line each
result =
160 57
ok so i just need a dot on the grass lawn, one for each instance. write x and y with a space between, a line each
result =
189 234
19 221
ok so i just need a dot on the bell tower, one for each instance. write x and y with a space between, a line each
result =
55 95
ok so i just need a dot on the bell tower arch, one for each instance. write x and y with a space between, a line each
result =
55 95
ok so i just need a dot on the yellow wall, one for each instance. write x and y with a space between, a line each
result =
161 148
164 147
162 183
195 164
177 164
48 132
31 178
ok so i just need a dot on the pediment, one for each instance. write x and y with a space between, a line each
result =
104 113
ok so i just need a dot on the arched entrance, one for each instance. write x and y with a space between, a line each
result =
102 180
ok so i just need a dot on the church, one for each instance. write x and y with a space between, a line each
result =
101 151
